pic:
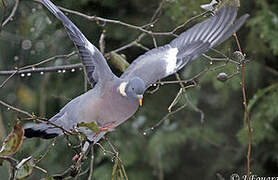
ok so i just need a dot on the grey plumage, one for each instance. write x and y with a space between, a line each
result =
190 44
94 69
113 100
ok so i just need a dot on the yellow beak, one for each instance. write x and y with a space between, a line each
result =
140 99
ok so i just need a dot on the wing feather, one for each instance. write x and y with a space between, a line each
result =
162 62
97 69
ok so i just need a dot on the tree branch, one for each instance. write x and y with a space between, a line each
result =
250 131
31 68
11 15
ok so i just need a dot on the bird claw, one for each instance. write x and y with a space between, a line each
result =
76 157
107 128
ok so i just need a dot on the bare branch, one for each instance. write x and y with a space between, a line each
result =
44 69
4 13
31 68
250 130
15 109
188 21
163 119
66 56
12 163
138 28
158 11
188 100
12 14
91 164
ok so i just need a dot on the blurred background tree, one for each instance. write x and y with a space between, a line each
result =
183 147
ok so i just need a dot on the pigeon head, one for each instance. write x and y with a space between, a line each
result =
135 88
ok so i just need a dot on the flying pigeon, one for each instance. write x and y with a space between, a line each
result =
112 100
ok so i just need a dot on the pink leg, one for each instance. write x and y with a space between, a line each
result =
75 157
107 128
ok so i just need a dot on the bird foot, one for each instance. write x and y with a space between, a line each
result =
107 128
77 157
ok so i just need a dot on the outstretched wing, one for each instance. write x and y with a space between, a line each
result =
96 66
166 60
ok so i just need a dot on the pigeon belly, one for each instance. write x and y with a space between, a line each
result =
110 107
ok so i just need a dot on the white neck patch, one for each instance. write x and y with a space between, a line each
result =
122 87
171 60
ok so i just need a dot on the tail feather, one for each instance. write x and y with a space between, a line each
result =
46 131
31 132
43 130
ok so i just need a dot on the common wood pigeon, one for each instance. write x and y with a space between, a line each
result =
114 99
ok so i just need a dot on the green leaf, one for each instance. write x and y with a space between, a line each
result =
92 126
25 168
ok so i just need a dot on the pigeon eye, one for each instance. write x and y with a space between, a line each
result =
133 88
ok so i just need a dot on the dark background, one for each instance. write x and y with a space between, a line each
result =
182 147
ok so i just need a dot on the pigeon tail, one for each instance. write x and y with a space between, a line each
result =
43 130
34 131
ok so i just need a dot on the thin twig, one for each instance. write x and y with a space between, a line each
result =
138 28
174 102
44 69
188 100
66 56
31 68
104 150
225 59
5 81
4 13
133 43
163 119
46 152
12 163
12 13
91 164
33 117
96 18
15 109
250 131
41 169
157 11
188 21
